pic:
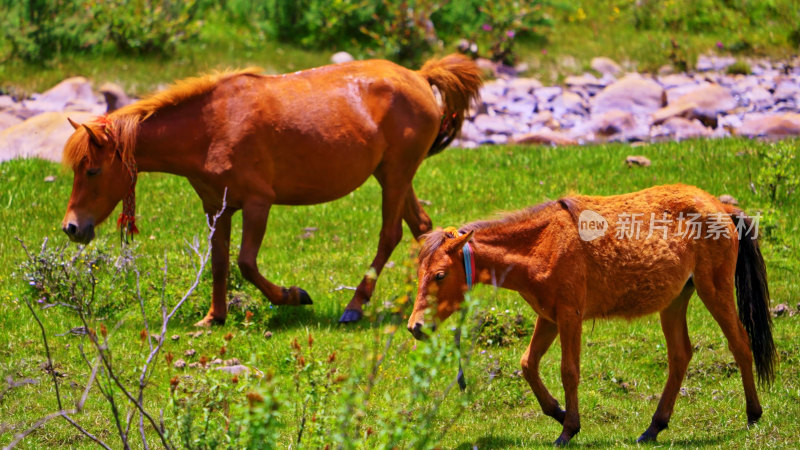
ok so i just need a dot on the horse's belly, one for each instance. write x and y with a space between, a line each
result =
313 183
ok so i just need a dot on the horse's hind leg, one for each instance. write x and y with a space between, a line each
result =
418 221
679 352
715 288
254 224
543 336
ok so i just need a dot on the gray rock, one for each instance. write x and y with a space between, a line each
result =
545 136
633 94
8 120
341 57
41 136
493 125
605 66
546 94
115 97
679 128
74 94
569 102
777 125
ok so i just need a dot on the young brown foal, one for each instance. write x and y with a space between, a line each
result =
629 255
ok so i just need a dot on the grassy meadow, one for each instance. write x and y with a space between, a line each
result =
623 365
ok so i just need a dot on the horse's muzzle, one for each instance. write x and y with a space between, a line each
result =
417 332
80 235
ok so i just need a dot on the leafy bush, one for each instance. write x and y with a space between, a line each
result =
779 176
37 30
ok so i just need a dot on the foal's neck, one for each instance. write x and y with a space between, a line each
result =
505 252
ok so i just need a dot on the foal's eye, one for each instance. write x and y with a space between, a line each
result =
439 276
93 171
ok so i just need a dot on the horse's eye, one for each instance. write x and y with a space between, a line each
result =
93 171
439 276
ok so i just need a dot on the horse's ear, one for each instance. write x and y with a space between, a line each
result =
459 242
74 124
98 139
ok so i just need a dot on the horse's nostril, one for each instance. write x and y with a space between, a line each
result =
70 229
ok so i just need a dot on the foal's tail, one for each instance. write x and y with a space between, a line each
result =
752 295
458 79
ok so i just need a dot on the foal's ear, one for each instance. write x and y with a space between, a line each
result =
457 243
74 124
99 139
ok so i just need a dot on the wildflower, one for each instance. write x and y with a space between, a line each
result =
203 360
510 34
103 330
720 45
544 51
173 383
486 27
295 345
235 379
169 357
332 357
228 336
143 335
254 398
310 341
222 351
248 315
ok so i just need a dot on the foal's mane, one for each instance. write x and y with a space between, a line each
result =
122 125
434 239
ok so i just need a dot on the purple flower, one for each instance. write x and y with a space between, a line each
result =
544 51
510 34
486 27
719 45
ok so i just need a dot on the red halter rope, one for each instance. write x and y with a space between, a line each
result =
127 218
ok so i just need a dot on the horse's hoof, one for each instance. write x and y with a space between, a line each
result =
462 381
305 299
351 315
646 437
208 321
561 441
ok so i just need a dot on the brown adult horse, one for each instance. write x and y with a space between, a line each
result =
582 258
303 138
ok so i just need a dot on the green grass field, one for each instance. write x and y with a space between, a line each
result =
623 363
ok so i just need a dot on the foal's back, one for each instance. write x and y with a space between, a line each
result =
650 245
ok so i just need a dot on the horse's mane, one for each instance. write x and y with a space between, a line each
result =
123 124
434 239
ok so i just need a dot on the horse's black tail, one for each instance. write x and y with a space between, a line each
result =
752 295
458 79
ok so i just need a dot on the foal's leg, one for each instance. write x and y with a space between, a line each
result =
393 196
679 352
418 221
220 248
543 336
254 224
570 329
716 290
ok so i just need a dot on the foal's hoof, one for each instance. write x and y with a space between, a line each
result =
305 299
561 441
208 321
351 315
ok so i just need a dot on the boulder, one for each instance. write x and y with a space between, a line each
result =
41 136
115 97
8 120
632 94
544 136
607 124
777 125
636 160
706 63
605 66
487 124
569 102
73 94
680 128
704 103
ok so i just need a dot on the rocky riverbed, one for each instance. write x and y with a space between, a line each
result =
607 104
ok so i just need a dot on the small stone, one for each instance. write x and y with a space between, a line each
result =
268 335
49 179
191 352
175 337
232 362
237 369
637 161
728 199
341 57
195 365
215 362
179 364
545 136
780 310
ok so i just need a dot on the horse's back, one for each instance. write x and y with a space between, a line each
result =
318 134
649 245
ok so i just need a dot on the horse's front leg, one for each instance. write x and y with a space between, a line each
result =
390 236
543 336
254 224
220 248
569 328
